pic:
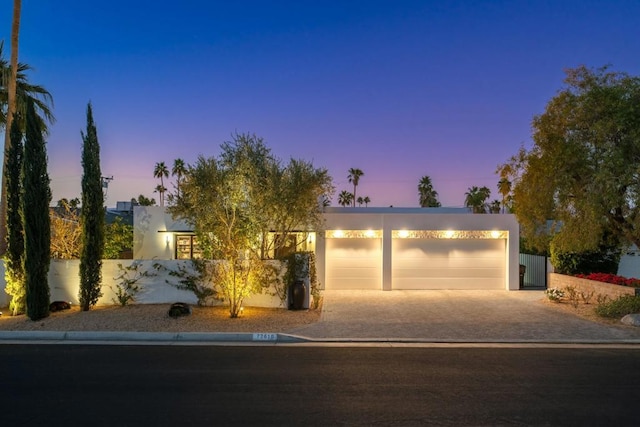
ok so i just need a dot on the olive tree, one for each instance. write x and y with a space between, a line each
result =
233 201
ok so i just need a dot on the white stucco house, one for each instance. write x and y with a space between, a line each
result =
377 248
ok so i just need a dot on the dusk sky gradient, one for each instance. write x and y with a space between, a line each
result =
399 89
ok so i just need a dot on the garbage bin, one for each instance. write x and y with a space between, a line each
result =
297 292
523 269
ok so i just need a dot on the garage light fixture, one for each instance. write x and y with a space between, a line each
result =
353 234
449 234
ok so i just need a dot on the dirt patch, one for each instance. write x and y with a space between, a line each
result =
585 311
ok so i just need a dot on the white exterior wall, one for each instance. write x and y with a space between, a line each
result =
149 243
153 229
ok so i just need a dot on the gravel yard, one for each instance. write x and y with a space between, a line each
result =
155 318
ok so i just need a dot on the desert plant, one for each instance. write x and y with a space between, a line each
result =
572 295
586 297
602 298
554 294
625 304
197 277
128 286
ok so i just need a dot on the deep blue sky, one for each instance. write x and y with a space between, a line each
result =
399 89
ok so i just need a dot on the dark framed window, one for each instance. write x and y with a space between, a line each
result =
187 247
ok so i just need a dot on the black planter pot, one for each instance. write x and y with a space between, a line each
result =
297 292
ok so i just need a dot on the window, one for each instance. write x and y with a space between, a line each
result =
187 247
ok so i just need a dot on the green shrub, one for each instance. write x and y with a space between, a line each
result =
604 260
618 308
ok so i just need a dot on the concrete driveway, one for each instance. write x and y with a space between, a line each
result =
455 316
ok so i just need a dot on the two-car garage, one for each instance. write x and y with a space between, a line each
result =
423 250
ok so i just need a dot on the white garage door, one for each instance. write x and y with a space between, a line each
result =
353 263
448 264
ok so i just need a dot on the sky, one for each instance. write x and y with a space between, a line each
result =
399 89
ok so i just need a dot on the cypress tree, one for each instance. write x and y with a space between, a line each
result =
92 218
35 216
14 276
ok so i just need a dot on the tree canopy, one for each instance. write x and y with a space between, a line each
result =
579 184
235 200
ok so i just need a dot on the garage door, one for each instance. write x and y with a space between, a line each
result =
353 263
448 263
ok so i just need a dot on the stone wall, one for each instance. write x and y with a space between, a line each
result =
562 281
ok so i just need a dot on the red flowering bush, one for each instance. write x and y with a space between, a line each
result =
611 278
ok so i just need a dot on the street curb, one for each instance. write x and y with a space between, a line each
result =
92 336
7 337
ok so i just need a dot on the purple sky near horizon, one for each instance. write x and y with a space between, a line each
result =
399 89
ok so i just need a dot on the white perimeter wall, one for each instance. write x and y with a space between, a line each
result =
64 285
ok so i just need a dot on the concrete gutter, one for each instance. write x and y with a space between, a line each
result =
116 336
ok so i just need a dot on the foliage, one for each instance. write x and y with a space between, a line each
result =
428 195
118 238
26 93
234 201
299 266
35 214
554 294
345 198
128 286
195 276
92 218
611 278
14 273
144 201
314 285
605 259
354 178
66 233
476 199
582 170
620 307
161 171
572 295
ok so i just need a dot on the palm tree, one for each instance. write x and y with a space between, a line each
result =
25 92
428 196
161 171
354 177
179 170
366 200
345 198
160 189
504 188
360 201
476 199
494 207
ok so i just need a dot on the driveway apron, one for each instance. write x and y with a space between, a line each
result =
455 316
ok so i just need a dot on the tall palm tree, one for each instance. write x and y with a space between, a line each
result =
179 170
345 198
354 177
161 171
504 188
366 200
25 92
428 196
475 198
